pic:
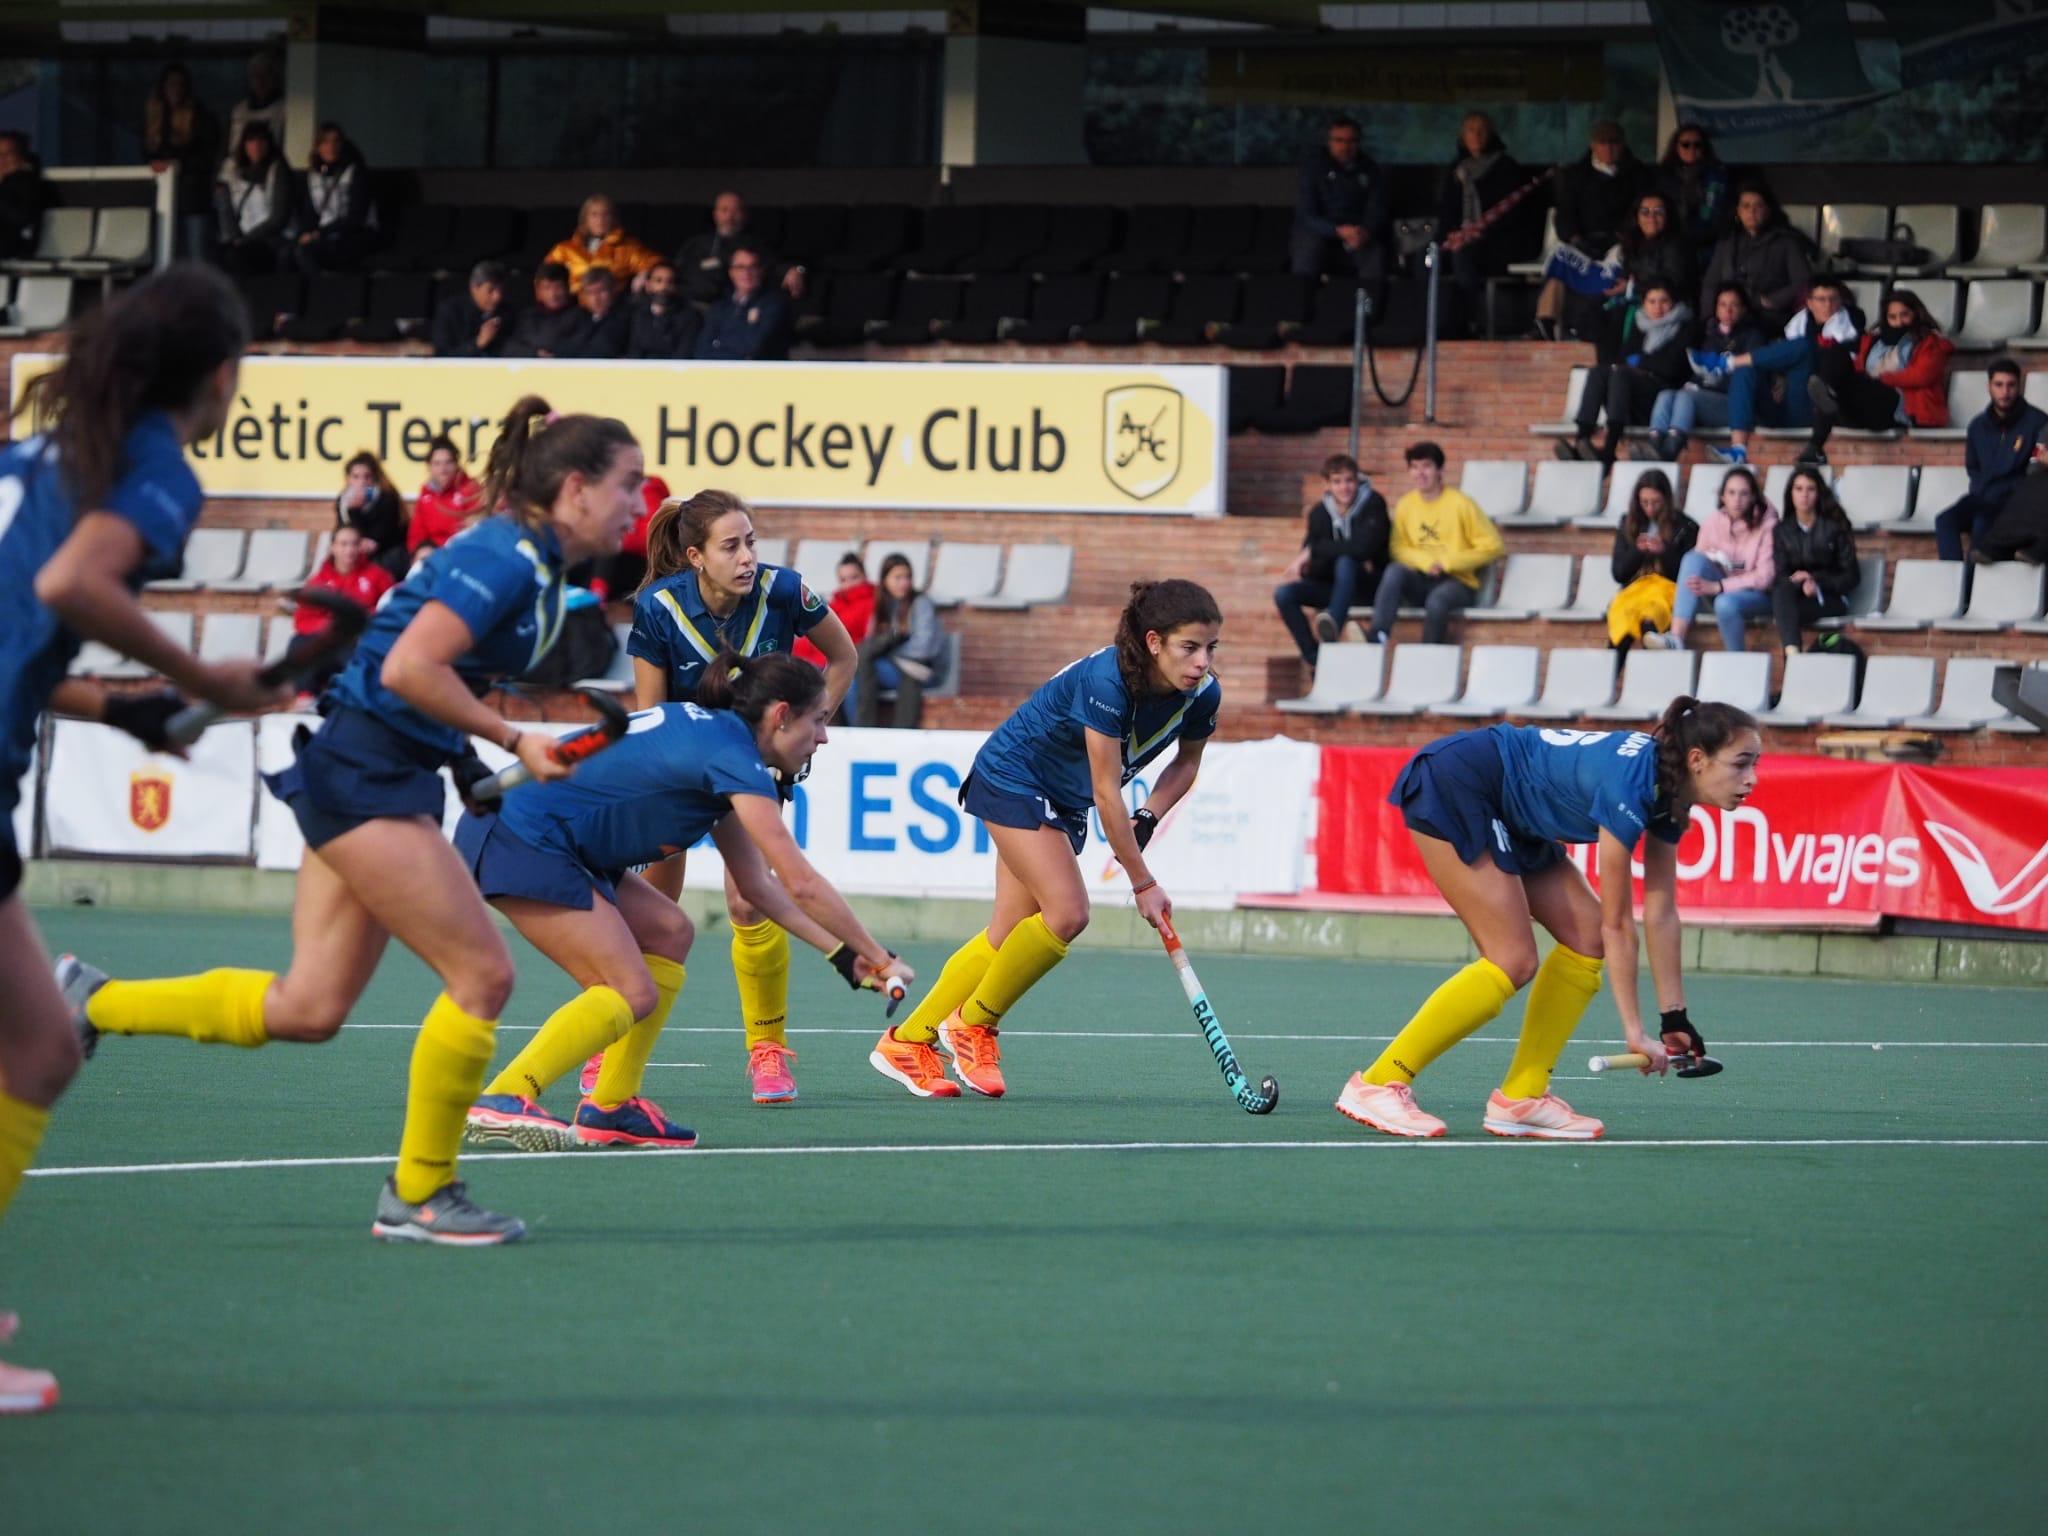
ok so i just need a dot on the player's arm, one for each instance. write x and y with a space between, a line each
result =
421 671
842 657
760 818
1662 929
1177 778
650 684
1106 776
142 715
1618 944
759 888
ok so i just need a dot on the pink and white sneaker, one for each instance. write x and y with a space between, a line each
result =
1546 1119
23 1390
1389 1108
586 1080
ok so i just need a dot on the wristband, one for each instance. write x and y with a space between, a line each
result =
511 743
1673 1021
1143 825
846 961
1139 890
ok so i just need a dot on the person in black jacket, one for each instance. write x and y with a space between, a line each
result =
1482 173
1650 541
1343 555
24 194
1653 360
337 218
1593 199
372 505
1343 213
704 263
1764 258
662 325
605 325
750 324
478 324
1815 551
1696 189
550 321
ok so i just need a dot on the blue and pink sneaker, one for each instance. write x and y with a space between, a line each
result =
509 1120
638 1122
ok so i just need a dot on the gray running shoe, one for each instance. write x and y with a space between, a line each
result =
446 1216
78 981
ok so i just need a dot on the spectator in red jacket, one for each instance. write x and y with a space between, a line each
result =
853 600
1897 378
447 502
349 571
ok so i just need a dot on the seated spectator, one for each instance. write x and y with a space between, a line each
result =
1897 377
349 571
339 222
753 321
478 324
661 324
599 242
1657 339
1768 383
179 135
702 263
448 503
265 101
1762 257
551 320
1441 545
1694 184
1654 536
1483 175
603 325
2003 440
1648 252
1342 213
854 601
253 199
1814 551
1594 196
904 651
370 505
1733 562
24 194
1702 401
2021 531
1343 555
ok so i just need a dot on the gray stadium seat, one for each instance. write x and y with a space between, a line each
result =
1966 701
1804 219
817 561
1422 675
212 556
1649 681
1550 243
277 639
1034 573
771 551
1578 679
917 551
2034 340
1864 600
1563 492
1938 487
276 558
962 572
1529 584
1874 494
102 662
1814 685
1922 591
1894 687
1621 485
41 303
1346 674
1969 391
1996 310
1568 424
2010 236
1502 680
1943 297
2001 596
1595 591
1937 226
1778 479
1851 221
1499 486
1741 678
230 636
1703 490
65 236
617 677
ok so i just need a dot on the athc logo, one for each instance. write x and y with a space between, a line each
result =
1986 894
149 799
1141 436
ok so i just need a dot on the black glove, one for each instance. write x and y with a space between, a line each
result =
1143 825
1674 1022
144 715
468 771
847 962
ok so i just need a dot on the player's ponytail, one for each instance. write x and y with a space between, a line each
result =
1157 607
748 687
1689 723
537 451
682 524
153 348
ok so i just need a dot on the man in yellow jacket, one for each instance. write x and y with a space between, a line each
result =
1441 546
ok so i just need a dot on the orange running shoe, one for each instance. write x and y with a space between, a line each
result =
1547 1118
768 1072
1389 1108
977 1056
23 1390
914 1064
586 1080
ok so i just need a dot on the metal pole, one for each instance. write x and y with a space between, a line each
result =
1357 367
1432 258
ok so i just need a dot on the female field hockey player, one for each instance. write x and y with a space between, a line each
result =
367 793
556 860
96 504
1490 811
1073 744
705 592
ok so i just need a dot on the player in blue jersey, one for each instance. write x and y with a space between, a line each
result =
366 790
557 861
705 592
1490 811
1071 747
98 502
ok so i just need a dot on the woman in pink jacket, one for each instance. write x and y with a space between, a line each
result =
1732 563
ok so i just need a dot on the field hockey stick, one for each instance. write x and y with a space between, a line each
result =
569 750
1684 1064
1256 1101
345 623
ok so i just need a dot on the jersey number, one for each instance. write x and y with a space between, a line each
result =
1637 740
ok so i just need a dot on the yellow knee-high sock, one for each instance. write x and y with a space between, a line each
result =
963 972
760 964
1564 985
218 1007
21 1132
626 1062
449 1060
1451 1012
1026 955
588 1023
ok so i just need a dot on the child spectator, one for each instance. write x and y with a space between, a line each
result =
370 505
2003 440
604 324
1342 557
1656 340
1441 545
1702 401
551 321
599 242
1768 384
1762 257
1694 183
349 571
253 199
1342 213
1653 538
1814 550
1483 174
1733 562
340 221
478 324
751 323
447 503
1898 377
181 136
904 651
662 325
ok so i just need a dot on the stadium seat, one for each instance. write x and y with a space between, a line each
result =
1079 239
1011 239
277 558
1894 687
1874 495
421 232
923 305
1937 488
271 297
487 233
1804 219
1649 681
992 303
811 232
962 572
1534 269
398 305
1850 221
121 243
1867 295
1499 486
177 628
2011 237
771 551
1273 302
1936 226
1271 249
1421 675
857 301
1969 392
1943 297
1254 391
1318 395
1621 486
1199 301
1060 305
1864 600
1502 680
1595 590
875 235
1966 701
1033 574
212 556
230 636
1568 424
1996 310
41 303
951 235
1347 674
1578 679
1922 592
1815 684
1332 315
2034 340
617 676
917 551
1528 585
2001 596
1563 493
63 238
1741 678
816 561
1131 299
1154 238
333 299
1219 239
277 637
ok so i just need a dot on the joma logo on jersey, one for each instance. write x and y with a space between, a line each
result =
149 799
1141 438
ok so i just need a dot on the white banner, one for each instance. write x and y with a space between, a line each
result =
25 806
108 794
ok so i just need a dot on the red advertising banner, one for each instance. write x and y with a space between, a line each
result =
1958 845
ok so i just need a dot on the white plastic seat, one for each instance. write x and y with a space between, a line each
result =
1621 486
177 627
1595 591
771 551
1550 243
1574 387
1815 684
1502 679
917 551
212 556
1347 674
1499 486
1874 494
276 558
277 639
1578 679
1867 294
97 659
120 240
1649 682
230 636
1943 297
1922 592
1804 218
1966 701
65 236
2010 236
1969 392
1894 687
1996 310
2001 596
1530 584
1564 492
1851 221
617 677
1703 490
962 572
2034 340
1939 487
1863 601
1936 226
1778 478
1741 678
1033 574
41 303
1421 675
816 561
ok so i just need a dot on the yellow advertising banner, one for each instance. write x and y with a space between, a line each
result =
1053 438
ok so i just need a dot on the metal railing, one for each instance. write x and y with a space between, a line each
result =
1364 364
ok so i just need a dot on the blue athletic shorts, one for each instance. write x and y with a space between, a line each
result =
1454 789
1000 808
357 769
505 865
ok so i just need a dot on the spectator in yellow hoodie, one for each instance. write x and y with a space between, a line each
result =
600 242
1441 546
